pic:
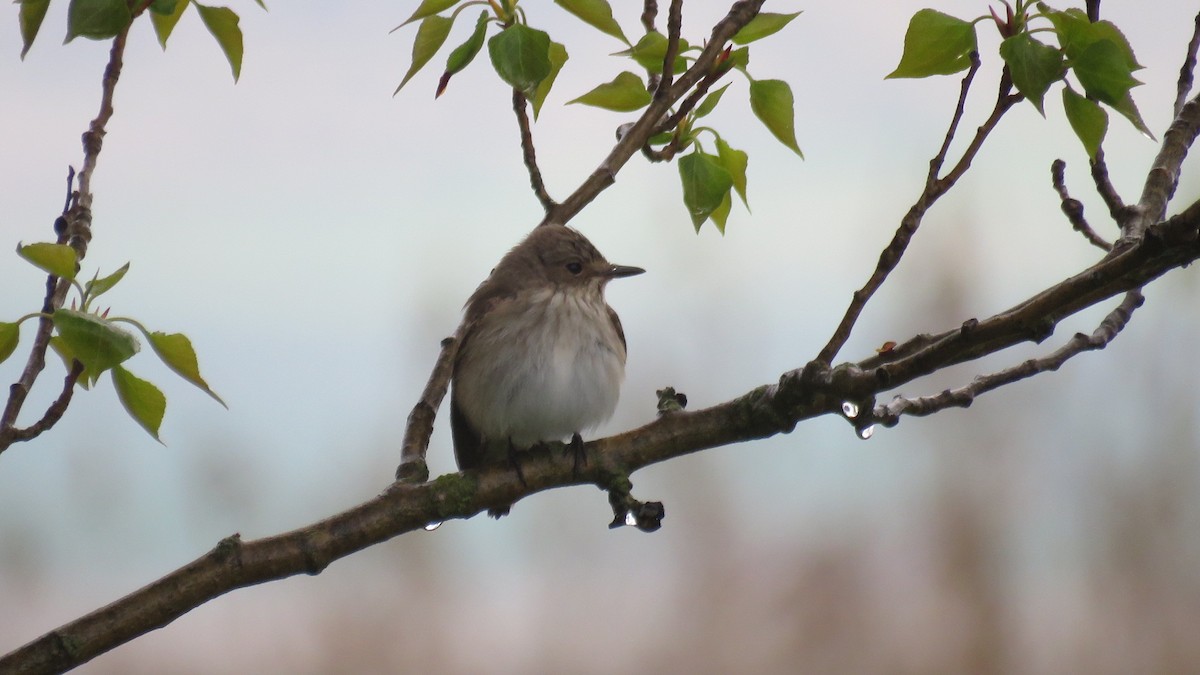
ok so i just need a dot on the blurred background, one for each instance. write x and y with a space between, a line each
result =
316 237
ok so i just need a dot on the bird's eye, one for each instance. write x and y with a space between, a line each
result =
574 267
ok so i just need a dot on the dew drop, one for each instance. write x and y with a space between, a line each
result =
630 519
850 409
866 432
430 527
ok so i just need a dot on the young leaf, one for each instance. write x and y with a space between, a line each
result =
100 286
96 342
10 335
1033 66
175 350
651 50
1087 118
720 215
935 44
710 102
431 34
521 56
558 57
30 17
761 26
1129 109
164 24
86 378
222 22
463 54
735 162
97 19
1104 72
142 400
597 14
1076 33
625 93
705 184
772 102
429 8
57 259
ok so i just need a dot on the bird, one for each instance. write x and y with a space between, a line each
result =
541 354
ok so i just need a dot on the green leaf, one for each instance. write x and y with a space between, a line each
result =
720 215
165 6
1033 66
97 19
96 342
625 93
428 8
463 54
10 335
68 357
164 24
57 259
1076 33
222 22
739 58
521 56
558 57
735 162
761 26
97 287
1087 118
772 102
705 184
935 44
175 350
431 34
651 51
706 106
597 14
1129 109
144 402
30 18
1104 72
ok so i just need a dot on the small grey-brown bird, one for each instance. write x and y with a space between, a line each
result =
541 355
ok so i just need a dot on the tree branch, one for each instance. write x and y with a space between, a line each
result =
527 152
1073 208
74 228
889 414
641 130
1188 69
935 187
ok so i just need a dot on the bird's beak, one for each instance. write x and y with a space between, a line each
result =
619 271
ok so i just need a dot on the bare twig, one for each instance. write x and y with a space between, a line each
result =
74 228
56 409
1073 208
1188 69
420 421
1163 176
963 397
674 25
527 151
1107 191
935 187
649 14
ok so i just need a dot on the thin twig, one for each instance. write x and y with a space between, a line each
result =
1073 208
56 410
674 25
649 14
644 127
963 397
1163 177
934 188
1188 69
1107 191
419 427
74 228
527 151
